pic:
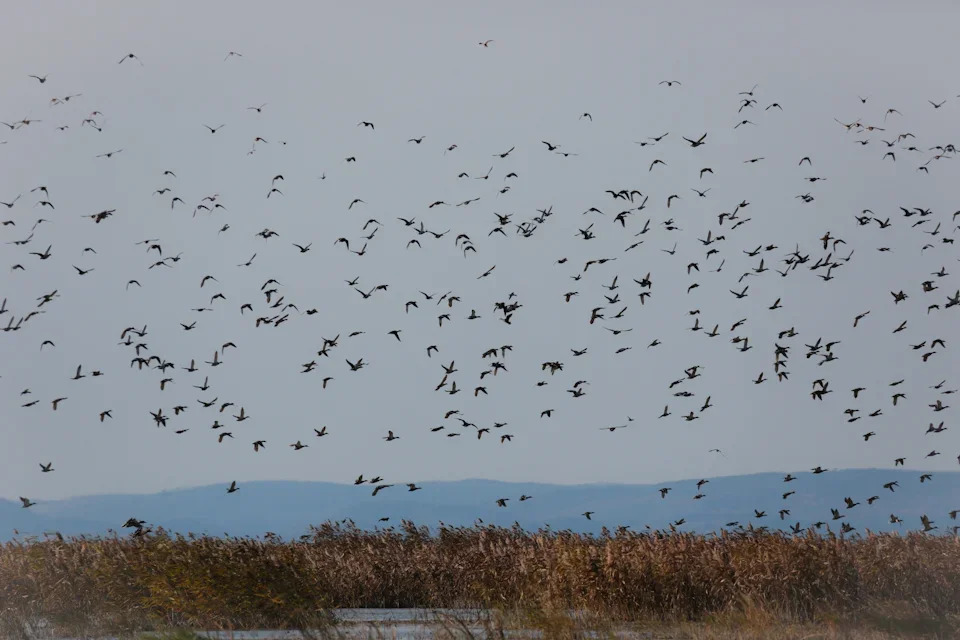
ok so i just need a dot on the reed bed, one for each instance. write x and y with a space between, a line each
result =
118 585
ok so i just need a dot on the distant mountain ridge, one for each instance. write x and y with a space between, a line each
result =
287 508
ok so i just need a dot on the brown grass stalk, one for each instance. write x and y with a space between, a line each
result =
113 585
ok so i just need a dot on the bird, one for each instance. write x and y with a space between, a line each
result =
380 487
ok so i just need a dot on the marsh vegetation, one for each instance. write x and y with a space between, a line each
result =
532 580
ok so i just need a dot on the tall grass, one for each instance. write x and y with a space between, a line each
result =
116 585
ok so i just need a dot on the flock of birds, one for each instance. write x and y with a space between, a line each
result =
613 286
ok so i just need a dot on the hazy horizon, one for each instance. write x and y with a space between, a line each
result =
595 483
289 508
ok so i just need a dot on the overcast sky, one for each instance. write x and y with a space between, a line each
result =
416 69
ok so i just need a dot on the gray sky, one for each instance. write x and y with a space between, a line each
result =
415 69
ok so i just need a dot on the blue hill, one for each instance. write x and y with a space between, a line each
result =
288 508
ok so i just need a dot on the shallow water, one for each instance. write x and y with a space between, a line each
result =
405 624
394 624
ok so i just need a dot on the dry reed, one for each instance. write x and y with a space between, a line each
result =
81 586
